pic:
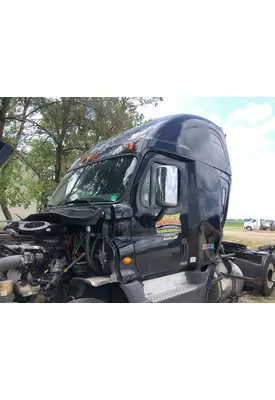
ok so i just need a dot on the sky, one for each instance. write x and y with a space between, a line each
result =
249 125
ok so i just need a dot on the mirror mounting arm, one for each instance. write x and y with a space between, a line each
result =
148 220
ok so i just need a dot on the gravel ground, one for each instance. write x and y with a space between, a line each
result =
257 299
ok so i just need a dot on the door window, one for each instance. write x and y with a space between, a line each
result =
148 187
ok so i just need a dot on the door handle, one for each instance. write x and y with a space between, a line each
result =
184 248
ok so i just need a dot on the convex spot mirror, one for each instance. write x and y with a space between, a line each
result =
167 186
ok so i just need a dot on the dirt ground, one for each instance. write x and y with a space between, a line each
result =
251 236
251 239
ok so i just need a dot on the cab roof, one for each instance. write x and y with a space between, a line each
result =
185 135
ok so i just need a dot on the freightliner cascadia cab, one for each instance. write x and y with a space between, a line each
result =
162 192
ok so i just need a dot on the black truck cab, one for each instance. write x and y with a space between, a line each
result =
138 218
163 191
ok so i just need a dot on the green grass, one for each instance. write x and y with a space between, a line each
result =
234 224
249 243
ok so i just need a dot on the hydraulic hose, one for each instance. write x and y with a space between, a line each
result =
10 262
6 247
88 253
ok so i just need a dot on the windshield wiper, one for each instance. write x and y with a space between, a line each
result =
84 200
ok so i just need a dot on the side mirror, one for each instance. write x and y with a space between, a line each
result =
167 186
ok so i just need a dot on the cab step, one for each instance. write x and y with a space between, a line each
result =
174 288
190 291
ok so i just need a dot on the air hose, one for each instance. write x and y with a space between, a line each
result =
10 262
89 253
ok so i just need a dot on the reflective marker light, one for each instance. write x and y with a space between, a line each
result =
93 156
127 260
131 146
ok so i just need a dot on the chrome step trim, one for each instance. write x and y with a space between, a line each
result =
164 283
158 297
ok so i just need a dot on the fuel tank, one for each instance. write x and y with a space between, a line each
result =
224 285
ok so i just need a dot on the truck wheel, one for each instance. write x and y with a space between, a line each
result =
268 269
248 228
85 300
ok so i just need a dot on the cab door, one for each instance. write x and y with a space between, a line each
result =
162 248
256 224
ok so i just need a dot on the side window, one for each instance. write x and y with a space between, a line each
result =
147 189
146 198
224 195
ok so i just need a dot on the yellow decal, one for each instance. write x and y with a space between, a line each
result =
169 224
170 237
169 220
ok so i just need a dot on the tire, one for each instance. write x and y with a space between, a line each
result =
268 268
248 228
85 300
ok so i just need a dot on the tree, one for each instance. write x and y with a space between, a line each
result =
13 116
4 107
73 125
40 158
49 133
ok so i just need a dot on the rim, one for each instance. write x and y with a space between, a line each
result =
270 270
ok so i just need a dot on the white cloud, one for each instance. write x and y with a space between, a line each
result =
245 142
252 114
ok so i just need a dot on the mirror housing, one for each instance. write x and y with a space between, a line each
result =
167 186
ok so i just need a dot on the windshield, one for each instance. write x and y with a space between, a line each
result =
98 182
